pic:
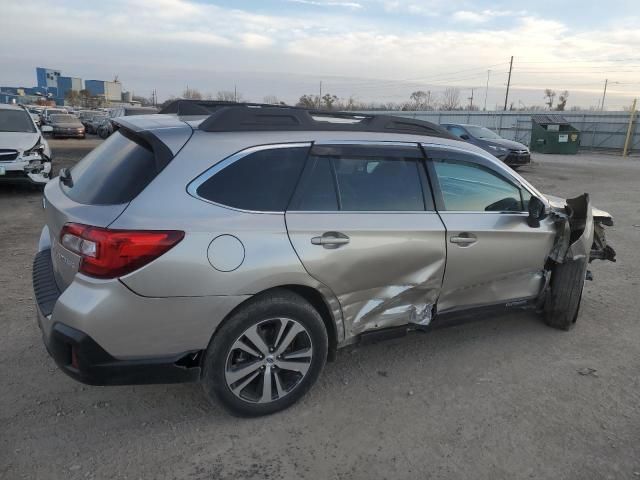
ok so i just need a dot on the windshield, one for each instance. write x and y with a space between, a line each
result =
64 119
481 132
16 121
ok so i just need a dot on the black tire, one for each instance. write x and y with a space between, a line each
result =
278 303
563 302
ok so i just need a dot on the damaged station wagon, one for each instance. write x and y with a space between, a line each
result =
244 247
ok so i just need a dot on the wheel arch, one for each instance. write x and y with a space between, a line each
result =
317 300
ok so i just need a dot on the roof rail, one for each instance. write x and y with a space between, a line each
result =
251 118
183 107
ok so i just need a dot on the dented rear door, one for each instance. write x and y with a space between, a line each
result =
363 224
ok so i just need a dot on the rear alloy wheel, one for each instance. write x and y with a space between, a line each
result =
266 356
269 360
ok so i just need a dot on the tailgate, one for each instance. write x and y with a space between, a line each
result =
60 209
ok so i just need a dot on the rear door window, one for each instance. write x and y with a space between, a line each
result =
363 178
113 173
261 181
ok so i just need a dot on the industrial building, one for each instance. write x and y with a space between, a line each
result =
111 91
52 85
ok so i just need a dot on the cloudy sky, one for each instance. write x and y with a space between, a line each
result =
371 49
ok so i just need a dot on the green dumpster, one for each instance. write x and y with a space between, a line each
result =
553 134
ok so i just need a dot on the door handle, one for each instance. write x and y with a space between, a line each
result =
464 239
331 240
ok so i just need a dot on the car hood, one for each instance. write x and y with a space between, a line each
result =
504 143
18 140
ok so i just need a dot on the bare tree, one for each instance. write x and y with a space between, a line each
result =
450 99
550 95
191 94
328 100
421 100
228 96
144 101
273 100
562 100
308 101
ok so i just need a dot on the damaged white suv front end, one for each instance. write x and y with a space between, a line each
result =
25 155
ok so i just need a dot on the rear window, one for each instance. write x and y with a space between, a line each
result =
113 173
262 181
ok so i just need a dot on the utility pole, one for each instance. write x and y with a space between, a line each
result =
320 95
506 97
486 91
604 94
627 140
235 93
471 100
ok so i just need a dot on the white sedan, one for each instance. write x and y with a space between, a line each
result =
25 155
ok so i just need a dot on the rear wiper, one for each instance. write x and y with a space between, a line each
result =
65 177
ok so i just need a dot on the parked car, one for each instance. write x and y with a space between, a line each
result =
244 248
106 128
103 127
93 121
66 126
25 155
47 112
512 153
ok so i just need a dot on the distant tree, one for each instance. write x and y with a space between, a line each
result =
228 96
191 94
328 101
550 95
450 99
273 100
144 101
421 100
73 97
562 100
308 101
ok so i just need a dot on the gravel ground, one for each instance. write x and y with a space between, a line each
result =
506 397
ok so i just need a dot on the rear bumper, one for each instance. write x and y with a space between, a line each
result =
118 337
82 358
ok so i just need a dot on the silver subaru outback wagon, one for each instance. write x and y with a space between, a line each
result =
241 249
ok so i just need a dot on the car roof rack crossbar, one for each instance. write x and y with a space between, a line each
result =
251 118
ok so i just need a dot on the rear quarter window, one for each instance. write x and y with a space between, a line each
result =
113 173
261 181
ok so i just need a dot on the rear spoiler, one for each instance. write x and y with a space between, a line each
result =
165 136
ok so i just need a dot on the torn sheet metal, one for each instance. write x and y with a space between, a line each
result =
579 230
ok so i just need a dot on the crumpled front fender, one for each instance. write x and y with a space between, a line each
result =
580 231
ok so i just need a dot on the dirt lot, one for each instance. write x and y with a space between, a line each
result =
507 397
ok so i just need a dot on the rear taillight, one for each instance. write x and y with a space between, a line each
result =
109 253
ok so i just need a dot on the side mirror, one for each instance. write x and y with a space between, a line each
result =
46 129
464 136
536 212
